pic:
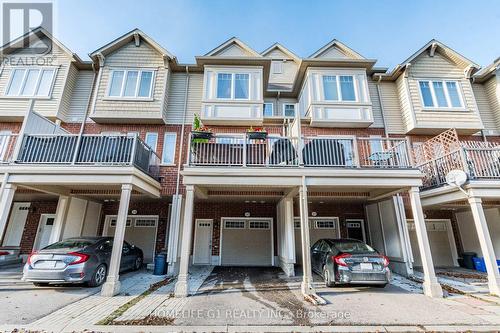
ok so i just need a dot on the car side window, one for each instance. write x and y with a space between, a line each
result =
324 247
126 247
317 246
106 246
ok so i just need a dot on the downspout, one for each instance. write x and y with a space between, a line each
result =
377 84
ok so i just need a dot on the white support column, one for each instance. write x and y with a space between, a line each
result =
112 285
7 196
181 287
432 288
61 212
287 236
483 235
307 287
173 234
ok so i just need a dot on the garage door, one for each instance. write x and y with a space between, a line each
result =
439 241
246 242
140 231
327 227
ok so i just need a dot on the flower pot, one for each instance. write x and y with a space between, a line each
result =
201 135
257 135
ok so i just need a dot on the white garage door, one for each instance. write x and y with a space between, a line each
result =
319 227
246 242
440 241
140 231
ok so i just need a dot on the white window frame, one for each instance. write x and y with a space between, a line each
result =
446 94
114 219
294 109
334 220
339 91
137 84
272 109
237 221
277 66
23 82
163 150
233 86
152 218
156 139
259 222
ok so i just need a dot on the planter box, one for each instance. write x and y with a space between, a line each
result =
257 135
201 135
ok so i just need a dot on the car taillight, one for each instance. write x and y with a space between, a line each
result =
385 261
79 258
4 253
30 257
340 259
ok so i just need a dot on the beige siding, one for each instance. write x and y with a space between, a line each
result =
437 66
68 92
175 106
80 96
134 57
233 50
378 120
404 101
493 93
16 107
333 52
392 108
290 68
485 109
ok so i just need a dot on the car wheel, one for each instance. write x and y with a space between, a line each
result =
327 278
40 284
99 276
138 263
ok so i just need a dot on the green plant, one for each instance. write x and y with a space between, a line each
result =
198 125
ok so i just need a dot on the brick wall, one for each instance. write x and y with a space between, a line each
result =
37 208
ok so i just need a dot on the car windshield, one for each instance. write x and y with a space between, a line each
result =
71 244
354 247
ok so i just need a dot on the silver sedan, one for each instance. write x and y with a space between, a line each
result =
78 260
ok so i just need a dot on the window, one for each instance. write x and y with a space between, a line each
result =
112 222
234 224
325 224
233 86
268 110
339 88
31 82
168 155
289 110
131 84
152 140
440 94
277 67
259 225
145 222
376 144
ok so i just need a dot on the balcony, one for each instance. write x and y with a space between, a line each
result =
480 161
88 150
290 152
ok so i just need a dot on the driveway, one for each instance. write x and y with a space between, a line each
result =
22 302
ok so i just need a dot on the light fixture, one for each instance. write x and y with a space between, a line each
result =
321 202
314 213
134 211
247 214
247 201
262 201
253 201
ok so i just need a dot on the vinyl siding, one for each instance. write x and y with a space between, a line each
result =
290 68
392 108
485 109
492 90
17 107
378 118
233 50
132 57
175 105
404 101
332 52
68 92
80 96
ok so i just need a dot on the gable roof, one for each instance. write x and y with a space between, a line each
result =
433 46
232 41
39 32
127 38
350 53
282 49
487 72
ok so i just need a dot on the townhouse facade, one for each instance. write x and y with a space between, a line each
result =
247 159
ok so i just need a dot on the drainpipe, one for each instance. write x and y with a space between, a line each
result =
377 84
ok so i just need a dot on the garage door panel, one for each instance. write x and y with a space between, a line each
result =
318 228
439 243
250 245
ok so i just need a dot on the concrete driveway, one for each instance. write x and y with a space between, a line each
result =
22 302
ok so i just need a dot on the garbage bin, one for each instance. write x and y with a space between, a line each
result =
160 264
468 261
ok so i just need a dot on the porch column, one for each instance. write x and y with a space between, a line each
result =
61 211
173 234
5 205
181 287
287 236
112 285
306 287
483 235
432 288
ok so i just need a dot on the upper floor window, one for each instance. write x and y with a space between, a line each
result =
289 110
277 67
31 82
233 85
339 88
268 110
131 83
440 94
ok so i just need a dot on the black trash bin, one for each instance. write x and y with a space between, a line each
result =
160 264
467 259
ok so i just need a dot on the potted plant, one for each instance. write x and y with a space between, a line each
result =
199 131
257 133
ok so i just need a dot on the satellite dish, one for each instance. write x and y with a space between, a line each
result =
456 178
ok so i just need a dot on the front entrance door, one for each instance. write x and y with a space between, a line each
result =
202 252
44 230
356 230
17 220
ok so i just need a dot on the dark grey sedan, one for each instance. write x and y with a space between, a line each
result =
349 261
78 260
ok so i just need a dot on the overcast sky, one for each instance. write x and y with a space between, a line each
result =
387 30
